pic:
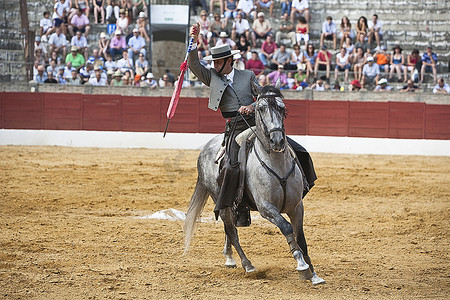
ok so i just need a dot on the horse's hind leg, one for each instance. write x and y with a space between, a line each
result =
297 223
228 253
271 213
232 236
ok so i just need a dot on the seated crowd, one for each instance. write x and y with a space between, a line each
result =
359 58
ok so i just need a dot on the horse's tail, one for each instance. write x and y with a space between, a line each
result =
198 201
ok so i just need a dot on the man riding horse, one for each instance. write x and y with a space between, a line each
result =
231 92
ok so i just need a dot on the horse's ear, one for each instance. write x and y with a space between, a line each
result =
278 83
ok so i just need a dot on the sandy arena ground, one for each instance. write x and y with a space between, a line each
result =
377 227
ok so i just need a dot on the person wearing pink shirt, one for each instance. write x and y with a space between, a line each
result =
79 22
272 77
117 45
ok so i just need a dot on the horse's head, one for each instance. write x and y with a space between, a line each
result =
270 114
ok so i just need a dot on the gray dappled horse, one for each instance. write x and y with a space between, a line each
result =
268 162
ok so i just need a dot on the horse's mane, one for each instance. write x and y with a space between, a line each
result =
269 93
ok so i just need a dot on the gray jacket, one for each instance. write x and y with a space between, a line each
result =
221 94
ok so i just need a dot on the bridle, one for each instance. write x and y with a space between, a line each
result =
266 131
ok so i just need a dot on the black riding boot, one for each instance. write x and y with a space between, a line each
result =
228 181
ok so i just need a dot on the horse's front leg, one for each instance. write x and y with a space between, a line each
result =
228 253
230 230
271 213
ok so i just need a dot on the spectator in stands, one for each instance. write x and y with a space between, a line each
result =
371 72
346 30
136 44
58 42
383 86
127 6
125 64
342 64
267 50
441 87
361 43
244 47
117 81
171 76
109 63
75 78
328 32
375 31
122 22
98 80
202 44
60 78
194 3
302 31
290 80
211 6
46 26
398 64
83 5
87 71
79 22
359 59
412 62
230 10
362 27
320 85
348 45
264 4
79 41
54 56
205 24
274 76
247 7
98 60
75 58
41 46
286 30
382 60
310 56
151 82
141 24
40 77
141 65
141 6
262 80
68 70
216 27
164 81
103 44
261 28
323 62
300 80
117 45
53 68
300 8
297 59
35 66
429 60
286 7
50 78
281 57
99 10
39 56
60 14
224 39
112 6
255 65
410 87
240 26
355 85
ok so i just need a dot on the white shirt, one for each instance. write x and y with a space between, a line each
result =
45 24
60 9
342 60
376 27
58 41
41 46
242 26
227 41
94 81
300 5
230 76
246 6
82 42
446 88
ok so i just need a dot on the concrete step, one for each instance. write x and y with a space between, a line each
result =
12 56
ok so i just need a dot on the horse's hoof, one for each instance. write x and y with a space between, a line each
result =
316 279
305 274
250 269
230 266
230 263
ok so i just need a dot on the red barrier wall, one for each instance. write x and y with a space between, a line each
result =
401 120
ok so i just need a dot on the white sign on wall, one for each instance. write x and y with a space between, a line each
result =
170 14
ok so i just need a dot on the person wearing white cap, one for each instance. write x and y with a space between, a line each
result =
117 79
233 92
117 44
103 44
261 28
136 44
141 24
98 79
383 86
224 39
151 82
371 72
39 45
